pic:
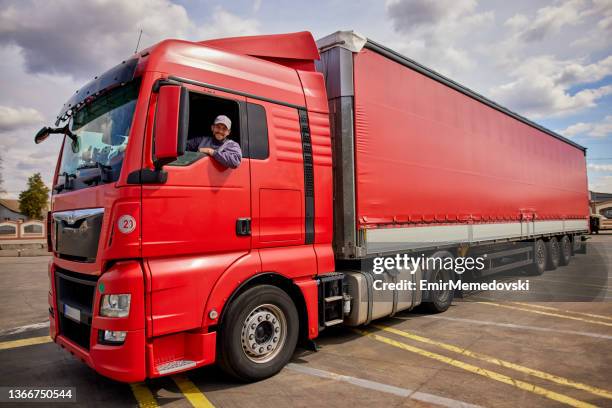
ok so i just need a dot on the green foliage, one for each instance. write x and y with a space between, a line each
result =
33 201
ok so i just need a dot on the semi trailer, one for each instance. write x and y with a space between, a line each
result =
164 260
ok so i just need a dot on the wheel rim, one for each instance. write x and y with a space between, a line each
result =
263 333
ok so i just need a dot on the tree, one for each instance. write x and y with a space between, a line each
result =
33 201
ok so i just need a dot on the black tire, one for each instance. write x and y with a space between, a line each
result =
579 246
554 253
565 249
438 301
576 244
540 255
276 310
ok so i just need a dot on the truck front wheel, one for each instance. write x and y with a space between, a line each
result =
258 334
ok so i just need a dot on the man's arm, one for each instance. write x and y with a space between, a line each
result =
192 144
229 154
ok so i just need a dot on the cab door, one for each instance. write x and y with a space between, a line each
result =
202 208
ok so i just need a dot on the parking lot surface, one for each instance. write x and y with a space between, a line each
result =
486 350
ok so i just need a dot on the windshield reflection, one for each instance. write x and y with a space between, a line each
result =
102 130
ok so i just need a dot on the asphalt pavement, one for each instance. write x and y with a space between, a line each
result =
486 350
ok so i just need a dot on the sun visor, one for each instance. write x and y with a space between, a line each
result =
112 78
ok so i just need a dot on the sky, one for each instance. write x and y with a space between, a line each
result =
550 61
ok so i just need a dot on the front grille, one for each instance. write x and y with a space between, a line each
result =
76 292
76 233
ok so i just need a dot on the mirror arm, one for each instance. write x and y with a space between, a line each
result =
67 132
64 130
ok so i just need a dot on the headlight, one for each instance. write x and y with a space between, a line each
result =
115 305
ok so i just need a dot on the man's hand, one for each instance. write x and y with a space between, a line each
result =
207 150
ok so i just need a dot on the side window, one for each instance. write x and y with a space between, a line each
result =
203 109
258 132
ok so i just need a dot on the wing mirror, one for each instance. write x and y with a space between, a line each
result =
171 124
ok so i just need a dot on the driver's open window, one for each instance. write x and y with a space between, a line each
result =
203 109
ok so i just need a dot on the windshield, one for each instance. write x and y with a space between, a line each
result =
101 129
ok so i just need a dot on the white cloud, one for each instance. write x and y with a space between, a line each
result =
227 24
49 49
573 72
600 167
539 96
517 21
549 20
602 185
595 129
540 86
597 35
14 118
430 30
84 38
408 15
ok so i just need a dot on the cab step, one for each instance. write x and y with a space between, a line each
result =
173 366
333 322
331 299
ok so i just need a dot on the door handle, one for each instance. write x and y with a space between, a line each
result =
243 226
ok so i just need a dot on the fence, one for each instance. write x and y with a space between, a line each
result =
13 230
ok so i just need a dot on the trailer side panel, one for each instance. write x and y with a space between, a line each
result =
428 154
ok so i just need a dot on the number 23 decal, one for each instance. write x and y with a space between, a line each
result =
126 224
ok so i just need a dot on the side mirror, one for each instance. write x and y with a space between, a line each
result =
42 135
171 124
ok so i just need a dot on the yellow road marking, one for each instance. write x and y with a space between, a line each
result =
481 371
140 390
536 373
143 395
596 316
191 392
25 342
546 313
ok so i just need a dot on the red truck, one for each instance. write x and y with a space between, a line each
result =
164 260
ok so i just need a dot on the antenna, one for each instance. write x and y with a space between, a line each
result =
138 43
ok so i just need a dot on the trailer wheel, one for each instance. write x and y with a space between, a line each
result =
554 253
258 334
540 255
578 245
438 301
575 244
565 246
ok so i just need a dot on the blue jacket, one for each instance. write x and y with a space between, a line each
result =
227 152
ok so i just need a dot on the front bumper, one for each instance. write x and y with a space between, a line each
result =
123 362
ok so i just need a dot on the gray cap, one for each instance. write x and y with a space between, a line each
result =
225 120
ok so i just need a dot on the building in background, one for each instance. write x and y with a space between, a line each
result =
601 208
16 226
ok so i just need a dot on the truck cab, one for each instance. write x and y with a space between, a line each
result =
151 242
